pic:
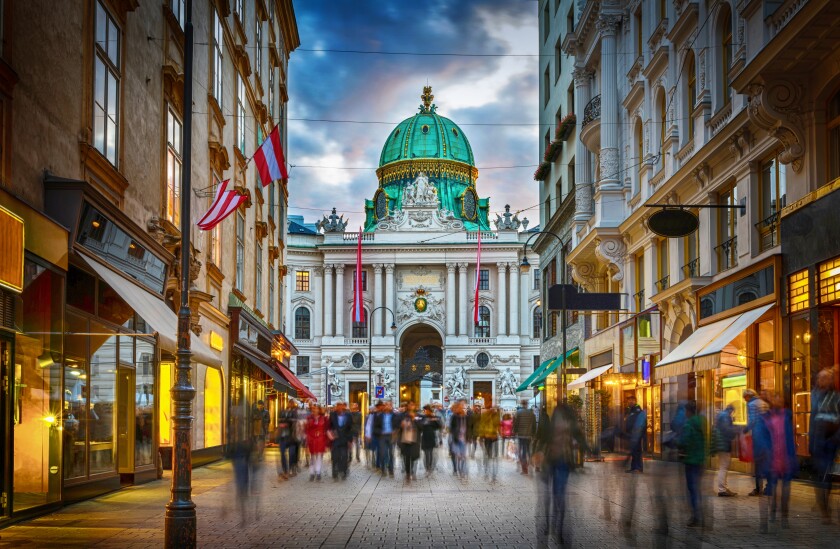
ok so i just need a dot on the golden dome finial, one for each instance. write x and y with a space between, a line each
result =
427 98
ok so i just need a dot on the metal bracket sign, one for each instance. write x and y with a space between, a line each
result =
566 297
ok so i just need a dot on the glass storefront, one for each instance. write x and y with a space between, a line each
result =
248 385
36 389
212 408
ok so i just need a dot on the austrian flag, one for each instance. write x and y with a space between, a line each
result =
269 158
223 205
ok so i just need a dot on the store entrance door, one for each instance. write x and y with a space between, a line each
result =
125 422
5 429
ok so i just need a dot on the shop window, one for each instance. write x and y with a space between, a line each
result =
212 408
36 388
766 356
81 290
739 292
74 415
144 398
798 291
800 359
829 280
102 400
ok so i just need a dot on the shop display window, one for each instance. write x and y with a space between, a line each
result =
165 402
144 402
75 417
212 408
800 385
731 378
102 399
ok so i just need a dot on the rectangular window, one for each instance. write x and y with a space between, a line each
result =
258 277
302 365
106 85
271 114
547 85
240 113
302 281
829 280
240 252
258 52
664 267
546 22
772 198
360 329
570 98
215 234
691 268
272 192
691 69
558 58
536 279
640 281
364 279
484 279
218 58
798 291
271 294
173 168
178 8
239 8
637 18
726 61
216 292
727 250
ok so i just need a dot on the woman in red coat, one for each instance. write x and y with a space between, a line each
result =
316 436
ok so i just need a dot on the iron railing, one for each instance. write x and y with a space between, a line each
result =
768 231
592 111
663 283
727 254
639 299
692 268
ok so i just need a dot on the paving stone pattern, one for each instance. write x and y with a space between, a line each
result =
607 509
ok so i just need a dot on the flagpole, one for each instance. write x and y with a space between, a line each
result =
180 519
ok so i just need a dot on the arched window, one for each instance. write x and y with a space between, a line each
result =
833 124
360 328
537 322
482 329
725 52
303 323
690 93
640 154
660 104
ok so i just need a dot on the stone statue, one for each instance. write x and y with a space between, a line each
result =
507 383
386 380
334 384
456 384
420 192
332 224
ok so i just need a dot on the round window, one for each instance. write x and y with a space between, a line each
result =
424 128
482 360
454 132
470 205
358 361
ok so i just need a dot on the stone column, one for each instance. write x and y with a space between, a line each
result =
524 292
450 299
339 300
318 296
377 299
329 303
290 314
515 299
501 303
583 173
463 298
608 26
390 298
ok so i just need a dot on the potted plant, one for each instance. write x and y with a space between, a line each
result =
565 127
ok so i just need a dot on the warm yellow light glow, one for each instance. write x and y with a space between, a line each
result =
742 357
165 402
806 337
216 341
212 408
95 224
50 420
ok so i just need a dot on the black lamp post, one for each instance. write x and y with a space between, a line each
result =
524 267
179 521
370 347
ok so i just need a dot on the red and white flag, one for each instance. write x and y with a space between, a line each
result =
477 278
271 164
223 205
358 303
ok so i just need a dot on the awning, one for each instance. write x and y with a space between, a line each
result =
552 367
301 390
254 359
701 351
155 312
527 383
580 382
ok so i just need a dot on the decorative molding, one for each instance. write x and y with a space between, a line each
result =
775 107
611 251
702 174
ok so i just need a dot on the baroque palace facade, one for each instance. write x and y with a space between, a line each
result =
92 112
419 259
725 103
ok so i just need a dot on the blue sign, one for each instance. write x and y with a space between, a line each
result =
379 392
646 370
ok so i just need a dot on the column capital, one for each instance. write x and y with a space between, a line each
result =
450 267
582 76
317 271
502 266
607 25
463 267
377 268
328 268
339 269
389 268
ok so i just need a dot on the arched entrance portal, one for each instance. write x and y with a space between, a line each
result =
421 365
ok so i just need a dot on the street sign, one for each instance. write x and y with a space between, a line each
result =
567 297
379 392
673 223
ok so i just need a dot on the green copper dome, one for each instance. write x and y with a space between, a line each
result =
427 135
433 145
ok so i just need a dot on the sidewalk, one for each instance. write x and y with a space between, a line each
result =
370 511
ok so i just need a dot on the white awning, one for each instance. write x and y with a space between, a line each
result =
580 382
701 351
154 311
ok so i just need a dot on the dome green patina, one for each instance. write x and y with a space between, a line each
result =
430 143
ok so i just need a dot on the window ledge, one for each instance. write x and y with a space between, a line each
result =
239 295
106 176
215 273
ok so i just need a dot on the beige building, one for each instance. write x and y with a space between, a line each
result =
92 112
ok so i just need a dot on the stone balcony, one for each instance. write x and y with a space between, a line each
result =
590 133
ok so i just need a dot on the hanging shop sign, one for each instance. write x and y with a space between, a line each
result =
11 250
673 223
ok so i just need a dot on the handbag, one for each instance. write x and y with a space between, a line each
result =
745 448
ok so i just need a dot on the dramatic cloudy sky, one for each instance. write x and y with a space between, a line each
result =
387 88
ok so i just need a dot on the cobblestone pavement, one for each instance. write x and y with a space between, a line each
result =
370 511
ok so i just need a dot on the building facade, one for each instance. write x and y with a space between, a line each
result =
697 103
90 196
419 250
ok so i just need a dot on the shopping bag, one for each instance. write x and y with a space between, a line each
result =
745 448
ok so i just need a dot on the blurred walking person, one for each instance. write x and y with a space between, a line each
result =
824 435
316 438
356 422
429 432
340 434
286 442
524 429
635 428
488 430
473 420
259 428
384 425
725 434
760 438
782 463
409 437
370 440
556 446
693 446
458 438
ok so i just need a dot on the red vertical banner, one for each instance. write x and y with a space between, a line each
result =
358 307
477 277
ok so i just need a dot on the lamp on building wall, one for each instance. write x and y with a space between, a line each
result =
806 337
